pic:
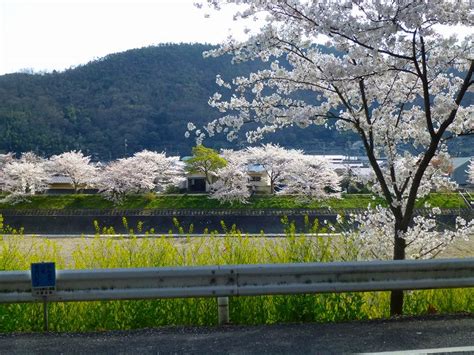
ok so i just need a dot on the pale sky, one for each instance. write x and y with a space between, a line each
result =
58 34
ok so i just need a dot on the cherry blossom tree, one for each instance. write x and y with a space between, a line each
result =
310 177
275 160
24 176
232 184
167 171
123 177
144 172
74 165
393 78
4 159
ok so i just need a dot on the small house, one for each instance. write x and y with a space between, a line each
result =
259 181
196 182
60 184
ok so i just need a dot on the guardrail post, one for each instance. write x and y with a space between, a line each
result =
45 314
223 310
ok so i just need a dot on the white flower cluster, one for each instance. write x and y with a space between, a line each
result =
435 178
25 176
232 184
31 174
375 230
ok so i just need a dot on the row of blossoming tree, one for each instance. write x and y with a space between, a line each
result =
290 170
144 171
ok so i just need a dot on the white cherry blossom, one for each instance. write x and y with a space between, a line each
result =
75 166
232 183
24 176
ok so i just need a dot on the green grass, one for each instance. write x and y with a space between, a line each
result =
17 252
152 201
442 200
61 202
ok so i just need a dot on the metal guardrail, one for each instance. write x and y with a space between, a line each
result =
240 280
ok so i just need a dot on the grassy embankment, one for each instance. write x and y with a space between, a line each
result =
17 252
152 201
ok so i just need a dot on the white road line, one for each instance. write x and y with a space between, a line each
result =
461 349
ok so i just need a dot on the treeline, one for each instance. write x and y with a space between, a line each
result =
135 100
127 102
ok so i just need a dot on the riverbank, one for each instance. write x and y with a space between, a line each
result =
151 201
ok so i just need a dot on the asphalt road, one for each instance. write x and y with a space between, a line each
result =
411 334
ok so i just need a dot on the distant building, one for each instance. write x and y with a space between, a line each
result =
259 181
59 184
459 171
354 165
196 182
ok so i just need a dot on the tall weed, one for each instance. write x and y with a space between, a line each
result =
17 252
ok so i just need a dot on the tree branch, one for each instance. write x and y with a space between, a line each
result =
426 91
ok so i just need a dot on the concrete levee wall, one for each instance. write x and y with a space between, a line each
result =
161 221
160 224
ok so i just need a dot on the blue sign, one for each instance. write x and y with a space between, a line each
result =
43 275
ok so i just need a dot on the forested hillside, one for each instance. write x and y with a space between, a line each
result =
126 102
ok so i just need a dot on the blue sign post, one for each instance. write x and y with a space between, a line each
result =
43 277
43 283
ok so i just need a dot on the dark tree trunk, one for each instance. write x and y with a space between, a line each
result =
396 296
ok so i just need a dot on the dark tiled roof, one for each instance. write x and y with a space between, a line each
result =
60 180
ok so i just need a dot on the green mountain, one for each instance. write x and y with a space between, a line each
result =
126 102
